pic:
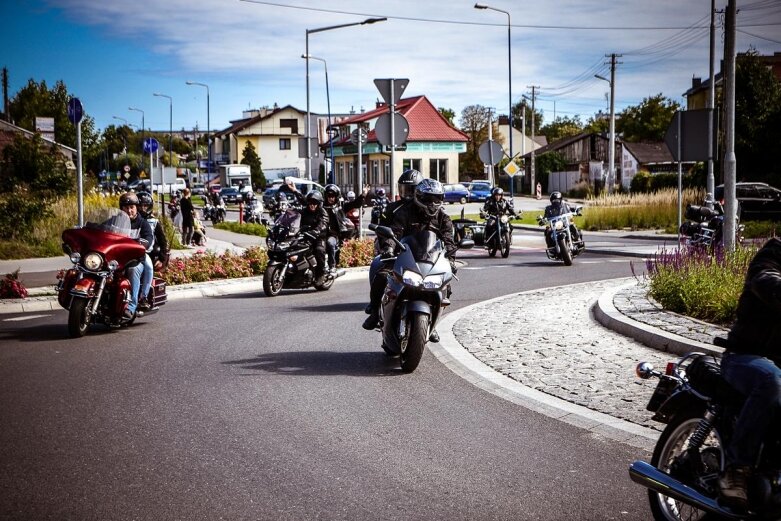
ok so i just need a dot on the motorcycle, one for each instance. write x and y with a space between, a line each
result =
292 261
417 283
561 227
217 213
253 211
97 288
501 234
700 409
704 226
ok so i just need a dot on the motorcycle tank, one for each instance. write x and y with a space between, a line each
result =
106 231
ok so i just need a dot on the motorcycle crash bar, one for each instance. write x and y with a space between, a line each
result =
654 479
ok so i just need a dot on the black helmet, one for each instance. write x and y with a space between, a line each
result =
380 192
407 182
555 197
332 190
497 191
128 199
429 195
145 204
314 196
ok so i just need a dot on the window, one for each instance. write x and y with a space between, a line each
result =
437 169
386 174
284 143
375 172
350 173
292 124
412 163
340 179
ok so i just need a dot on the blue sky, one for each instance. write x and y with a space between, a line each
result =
115 54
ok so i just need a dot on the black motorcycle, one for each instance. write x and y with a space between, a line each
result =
700 408
704 226
568 242
498 231
378 208
291 257
418 279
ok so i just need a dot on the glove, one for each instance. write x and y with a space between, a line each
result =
386 253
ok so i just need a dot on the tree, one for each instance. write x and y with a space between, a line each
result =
562 127
32 165
647 121
474 122
599 123
448 114
250 157
518 118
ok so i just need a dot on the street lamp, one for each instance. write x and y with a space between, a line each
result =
328 100
509 77
208 126
124 139
143 127
612 151
306 55
170 128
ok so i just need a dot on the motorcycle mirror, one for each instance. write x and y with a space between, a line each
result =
644 370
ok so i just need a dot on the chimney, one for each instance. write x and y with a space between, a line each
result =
696 82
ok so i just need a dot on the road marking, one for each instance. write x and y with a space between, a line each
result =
26 317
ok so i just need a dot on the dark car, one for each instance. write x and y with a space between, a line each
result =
756 201
303 185
230 194
478 191
456 193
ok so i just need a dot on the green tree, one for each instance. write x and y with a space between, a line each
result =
518 121
32 165
562 127
448 114
474 122
547 163
647 121
599 123
250 157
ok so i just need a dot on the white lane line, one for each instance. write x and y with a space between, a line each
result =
26 317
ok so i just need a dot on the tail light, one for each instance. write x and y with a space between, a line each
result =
670 368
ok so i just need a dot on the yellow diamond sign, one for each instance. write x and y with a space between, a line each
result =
511 168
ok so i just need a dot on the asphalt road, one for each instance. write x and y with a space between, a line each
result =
247 407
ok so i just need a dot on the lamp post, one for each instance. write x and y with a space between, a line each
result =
208 127
124 139
143 128
306 55
170 128
612 151
509 74
328 100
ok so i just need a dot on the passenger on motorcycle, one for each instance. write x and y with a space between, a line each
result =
406 184
338 228
314 223
749 364
159 253
141 231
558 207
425 214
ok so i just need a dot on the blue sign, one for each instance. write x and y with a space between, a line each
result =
150 145
75 111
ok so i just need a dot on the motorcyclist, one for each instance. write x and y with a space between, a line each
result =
338 227
425 214
158 254
558 207
380 203
407 182
497 205
314 223
749 364
141 231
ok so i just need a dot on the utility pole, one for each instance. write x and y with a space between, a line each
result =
5 95
710 182
730 161
611 176
532 178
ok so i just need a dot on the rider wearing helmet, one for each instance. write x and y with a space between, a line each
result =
558 207
339 226
497 205
314 223
141 231
425 213
160 250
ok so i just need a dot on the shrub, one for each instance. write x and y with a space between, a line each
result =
11 287
19 212
257 258
356 252
641 182
581 190
207 265
245 228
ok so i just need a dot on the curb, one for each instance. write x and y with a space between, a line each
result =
606 314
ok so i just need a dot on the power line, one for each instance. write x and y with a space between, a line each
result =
758 36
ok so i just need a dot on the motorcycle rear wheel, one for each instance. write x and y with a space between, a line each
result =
672 443
566 254
78 318
416 342
273 281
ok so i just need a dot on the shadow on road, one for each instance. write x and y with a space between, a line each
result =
321 363
344 306
44 333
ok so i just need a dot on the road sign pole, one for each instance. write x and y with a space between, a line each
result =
680 176
360 183
80 181
392 106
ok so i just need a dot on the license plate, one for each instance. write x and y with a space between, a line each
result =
664 389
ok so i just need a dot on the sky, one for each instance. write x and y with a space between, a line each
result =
115 54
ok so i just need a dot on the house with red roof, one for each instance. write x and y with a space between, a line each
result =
432 147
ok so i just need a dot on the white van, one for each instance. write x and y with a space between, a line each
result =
178 184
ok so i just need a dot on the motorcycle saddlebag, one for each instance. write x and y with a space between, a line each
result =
158 287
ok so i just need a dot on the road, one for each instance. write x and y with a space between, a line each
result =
247 407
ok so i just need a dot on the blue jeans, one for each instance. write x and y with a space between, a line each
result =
759 379
146 276
134 274
331 245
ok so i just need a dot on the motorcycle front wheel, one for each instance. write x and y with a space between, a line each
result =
669 456
506 246
273 281
78 318
416 342
566 254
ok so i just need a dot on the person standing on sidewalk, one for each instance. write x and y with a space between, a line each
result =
186 207
749 364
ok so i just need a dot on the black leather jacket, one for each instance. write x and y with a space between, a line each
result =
407 218
337 215
554 210
315 222
501 207
757 329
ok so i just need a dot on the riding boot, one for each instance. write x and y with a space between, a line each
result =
733 484
434 336
373 320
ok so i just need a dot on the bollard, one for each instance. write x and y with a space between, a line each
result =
539 191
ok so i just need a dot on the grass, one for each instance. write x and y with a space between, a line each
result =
245 228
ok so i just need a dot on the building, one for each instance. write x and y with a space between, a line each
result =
521 143
432 147
649 157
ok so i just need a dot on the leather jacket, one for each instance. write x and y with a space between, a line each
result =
407 218
501 207
554 210
315 222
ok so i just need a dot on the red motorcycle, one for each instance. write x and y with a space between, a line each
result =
97 288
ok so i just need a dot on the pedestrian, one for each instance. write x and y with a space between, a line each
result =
187 211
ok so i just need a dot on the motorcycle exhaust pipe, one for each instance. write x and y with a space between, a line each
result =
654 479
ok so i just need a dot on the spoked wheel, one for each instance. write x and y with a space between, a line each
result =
566 254
273 280
78 318
416 343
506 247
671 456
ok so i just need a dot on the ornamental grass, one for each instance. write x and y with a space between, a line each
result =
657 210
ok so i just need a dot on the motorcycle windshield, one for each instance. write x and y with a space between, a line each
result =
287 224
109 220
424 246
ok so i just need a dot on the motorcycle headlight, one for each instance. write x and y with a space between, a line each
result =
75 257
559 225
93 261
412 278
434 281
504 219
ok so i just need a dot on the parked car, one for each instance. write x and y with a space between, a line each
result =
478 191
456 193
756 201
198 189
140 185
230 194
303 185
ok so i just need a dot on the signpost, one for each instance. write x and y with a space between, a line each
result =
75 114
391 91
358 137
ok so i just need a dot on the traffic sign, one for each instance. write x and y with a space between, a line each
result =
694 135
490 152
358 135
126 168
75 110
400 129
511 169
150 145
384 86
